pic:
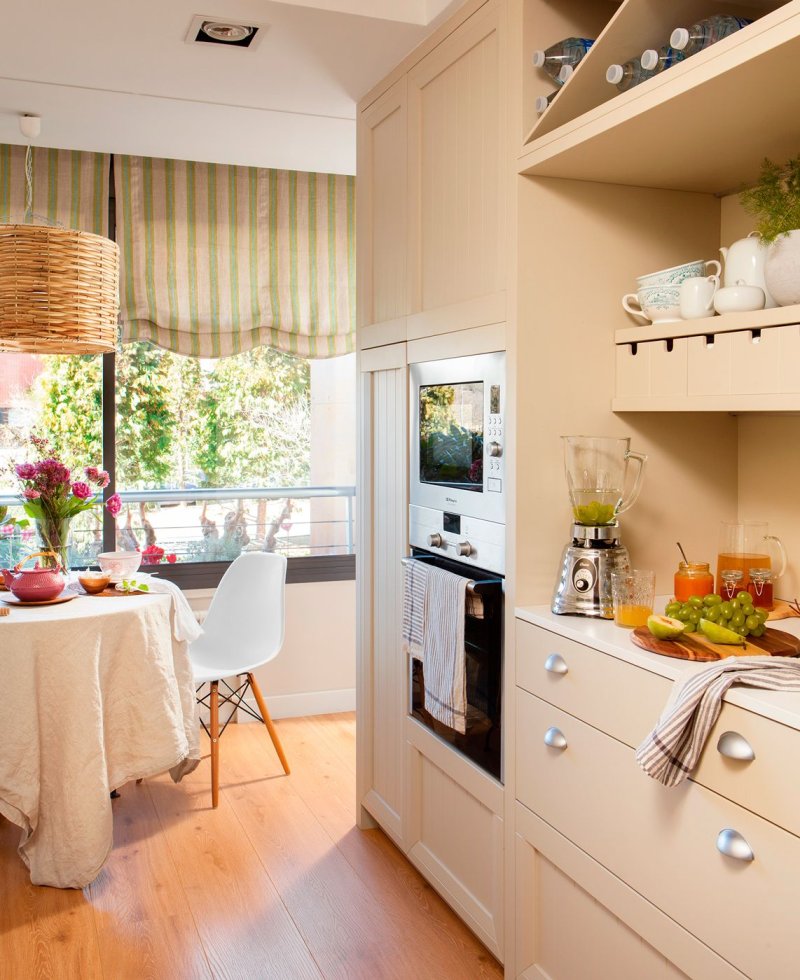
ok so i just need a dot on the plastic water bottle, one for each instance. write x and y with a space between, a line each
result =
566 52
627 75
658 60
543 101
704 33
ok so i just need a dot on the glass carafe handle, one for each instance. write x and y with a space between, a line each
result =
630 500
773 539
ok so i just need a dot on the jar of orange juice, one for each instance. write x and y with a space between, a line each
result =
693 578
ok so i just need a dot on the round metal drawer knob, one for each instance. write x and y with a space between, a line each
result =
556 664
555 738
735 746
732 844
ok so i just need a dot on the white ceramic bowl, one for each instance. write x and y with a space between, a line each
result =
678 273
658 304
739 299
119 564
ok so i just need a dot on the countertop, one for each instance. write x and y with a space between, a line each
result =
603 635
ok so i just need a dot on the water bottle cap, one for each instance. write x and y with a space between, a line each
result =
538 59
614 74
541 103
649 59
566 73
679 38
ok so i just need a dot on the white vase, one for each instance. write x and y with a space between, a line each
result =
782 269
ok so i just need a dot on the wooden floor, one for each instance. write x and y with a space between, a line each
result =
278 882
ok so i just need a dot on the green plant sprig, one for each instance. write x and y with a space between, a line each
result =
775 200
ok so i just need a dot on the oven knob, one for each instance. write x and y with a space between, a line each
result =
495 449
464 549
435 541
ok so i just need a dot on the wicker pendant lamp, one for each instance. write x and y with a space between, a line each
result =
59 288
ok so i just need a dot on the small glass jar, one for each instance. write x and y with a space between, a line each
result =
731 582
693 578
760 588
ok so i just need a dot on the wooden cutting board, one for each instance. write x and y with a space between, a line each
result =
695 646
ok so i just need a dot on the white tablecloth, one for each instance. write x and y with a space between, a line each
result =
94 692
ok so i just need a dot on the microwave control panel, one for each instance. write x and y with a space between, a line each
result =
493 444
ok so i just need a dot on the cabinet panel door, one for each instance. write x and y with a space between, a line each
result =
457 154
383 208
382 520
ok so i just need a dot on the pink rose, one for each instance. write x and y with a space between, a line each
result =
103 479
25 471
31 494
172 559
82 490
114 504
92 473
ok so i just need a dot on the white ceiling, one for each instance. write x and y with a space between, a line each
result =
118 77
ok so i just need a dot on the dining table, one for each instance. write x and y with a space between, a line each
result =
94 692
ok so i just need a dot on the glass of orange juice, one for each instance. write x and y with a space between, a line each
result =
633 592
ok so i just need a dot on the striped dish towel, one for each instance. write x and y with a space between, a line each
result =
671 751
434 604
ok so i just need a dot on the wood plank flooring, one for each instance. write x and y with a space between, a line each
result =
276 883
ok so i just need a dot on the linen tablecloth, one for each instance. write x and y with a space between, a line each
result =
95 692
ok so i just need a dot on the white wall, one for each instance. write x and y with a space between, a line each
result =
315 672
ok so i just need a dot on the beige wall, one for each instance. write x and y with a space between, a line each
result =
315 672
769 452
594 240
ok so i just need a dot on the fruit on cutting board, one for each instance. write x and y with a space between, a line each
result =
664 627
737 614
720 634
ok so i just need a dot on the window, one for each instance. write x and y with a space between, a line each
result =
211 457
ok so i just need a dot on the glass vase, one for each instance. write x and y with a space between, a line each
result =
54 536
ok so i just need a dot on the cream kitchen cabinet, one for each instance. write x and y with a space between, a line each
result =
382 542
593 830
382 189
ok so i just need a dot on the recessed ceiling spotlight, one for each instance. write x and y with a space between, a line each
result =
214 30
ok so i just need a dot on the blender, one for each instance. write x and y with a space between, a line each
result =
596 469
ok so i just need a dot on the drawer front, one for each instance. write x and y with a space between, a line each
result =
766 783
614 696
664 842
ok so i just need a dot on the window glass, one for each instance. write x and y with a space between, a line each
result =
61 399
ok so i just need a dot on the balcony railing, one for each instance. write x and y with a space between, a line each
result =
210 525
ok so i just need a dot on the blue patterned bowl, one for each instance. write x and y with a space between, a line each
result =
658 304
676 275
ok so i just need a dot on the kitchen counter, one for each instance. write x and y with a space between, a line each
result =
603 635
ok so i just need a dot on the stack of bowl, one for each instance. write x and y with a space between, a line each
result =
658 294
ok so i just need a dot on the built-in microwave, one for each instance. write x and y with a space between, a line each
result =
457 459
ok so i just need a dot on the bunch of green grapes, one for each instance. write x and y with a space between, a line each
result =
739 614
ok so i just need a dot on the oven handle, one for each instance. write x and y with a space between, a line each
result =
476 587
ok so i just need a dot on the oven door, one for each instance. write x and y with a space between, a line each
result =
483 634
457 435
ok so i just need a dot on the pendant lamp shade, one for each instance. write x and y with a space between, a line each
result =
59 291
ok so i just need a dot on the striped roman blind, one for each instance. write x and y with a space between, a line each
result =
218 259
70 188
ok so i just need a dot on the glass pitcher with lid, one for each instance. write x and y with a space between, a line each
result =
748 544
597 468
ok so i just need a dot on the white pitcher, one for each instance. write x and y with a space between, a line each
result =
744 261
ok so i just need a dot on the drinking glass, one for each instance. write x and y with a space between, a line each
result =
633 593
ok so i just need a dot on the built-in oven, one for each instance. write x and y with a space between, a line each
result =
483 641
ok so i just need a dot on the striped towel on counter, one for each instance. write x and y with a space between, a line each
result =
671 751
433 630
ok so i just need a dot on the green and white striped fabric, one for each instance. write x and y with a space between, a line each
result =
70 188
219 259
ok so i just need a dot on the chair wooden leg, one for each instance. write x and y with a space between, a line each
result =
214 732
268 722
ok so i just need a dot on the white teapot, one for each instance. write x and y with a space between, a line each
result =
744 262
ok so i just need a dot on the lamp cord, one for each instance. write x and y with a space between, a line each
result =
28 183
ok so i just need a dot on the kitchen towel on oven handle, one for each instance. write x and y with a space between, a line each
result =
434 606
671 751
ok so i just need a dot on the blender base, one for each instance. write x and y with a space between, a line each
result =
584 583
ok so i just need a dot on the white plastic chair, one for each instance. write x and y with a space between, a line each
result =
243 629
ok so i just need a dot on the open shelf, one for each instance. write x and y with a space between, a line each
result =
729 323
704 125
